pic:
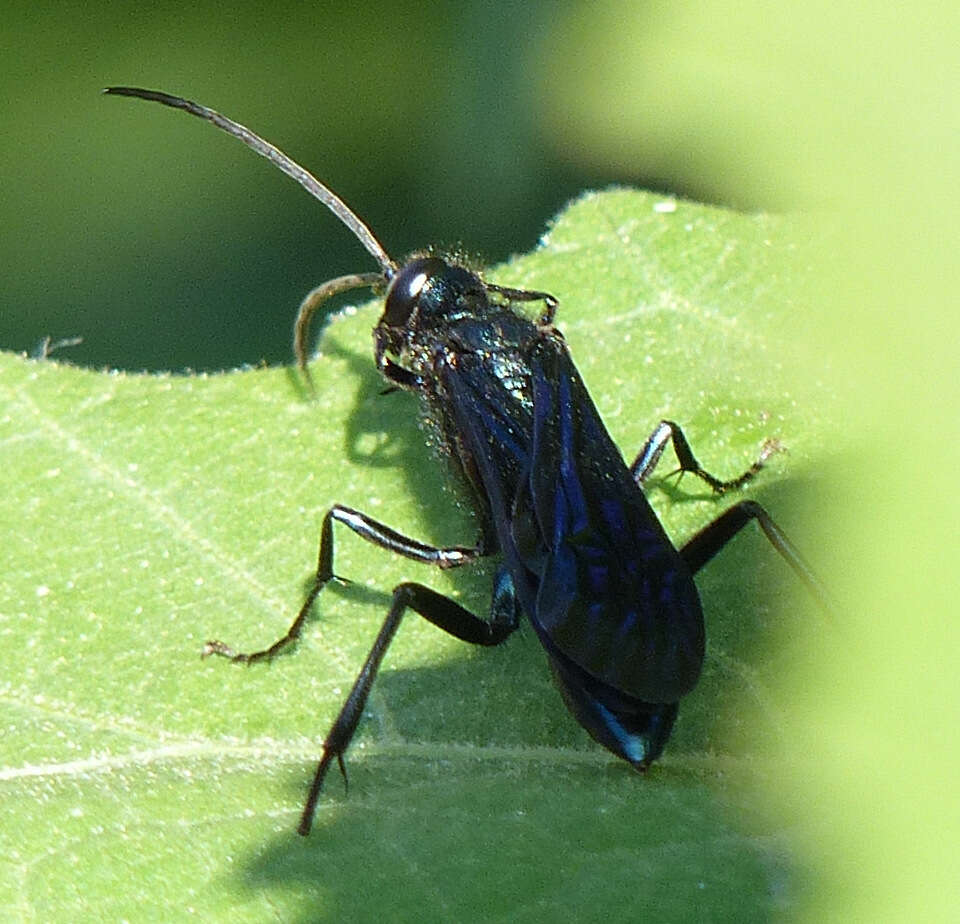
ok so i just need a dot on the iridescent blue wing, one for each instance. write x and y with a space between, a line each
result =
614 595
591 565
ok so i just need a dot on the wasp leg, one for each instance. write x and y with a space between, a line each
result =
369 529
714 536
669 432
550 302
443 613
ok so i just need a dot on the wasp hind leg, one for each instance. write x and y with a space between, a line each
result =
714 536
445 614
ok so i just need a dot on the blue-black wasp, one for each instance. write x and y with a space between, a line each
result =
584 557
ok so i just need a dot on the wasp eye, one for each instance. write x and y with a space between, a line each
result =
406 287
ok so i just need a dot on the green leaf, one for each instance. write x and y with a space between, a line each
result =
146 514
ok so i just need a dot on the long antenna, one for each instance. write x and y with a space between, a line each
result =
292 169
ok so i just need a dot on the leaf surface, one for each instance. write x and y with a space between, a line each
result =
143 515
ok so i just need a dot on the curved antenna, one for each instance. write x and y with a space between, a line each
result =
308 308
292 169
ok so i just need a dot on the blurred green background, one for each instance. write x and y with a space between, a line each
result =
166 245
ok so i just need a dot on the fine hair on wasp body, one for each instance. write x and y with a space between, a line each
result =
582 555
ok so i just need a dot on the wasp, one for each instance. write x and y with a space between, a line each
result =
582 555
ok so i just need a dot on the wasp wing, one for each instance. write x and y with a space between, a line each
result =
593 568
614 596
